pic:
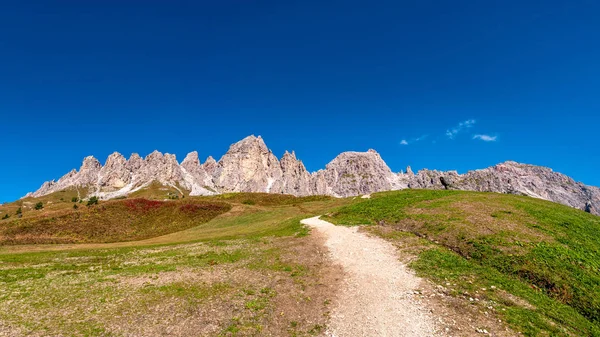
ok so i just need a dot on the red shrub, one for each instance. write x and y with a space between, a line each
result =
143 205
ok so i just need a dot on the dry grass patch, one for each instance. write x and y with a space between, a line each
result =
263 286
113 221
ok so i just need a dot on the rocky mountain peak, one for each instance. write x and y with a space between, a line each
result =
71 173
115 159
154 156
115 173
210 165
360 160
249 166
135 162
170 159
288 156
249 144
355 173
191 158
88 174
199 182
295 178
191 163
90 163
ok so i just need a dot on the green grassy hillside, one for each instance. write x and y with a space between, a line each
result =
55 203
535 262
241 264
250 271
112 221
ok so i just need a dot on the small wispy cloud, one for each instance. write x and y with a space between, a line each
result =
413 140
451 133
485 138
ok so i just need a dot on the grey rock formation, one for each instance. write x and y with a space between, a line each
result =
295 178
135 163
114 175
89 171
210 166
356 173
319 185
515 178
198 181
164 168
249 166
535 181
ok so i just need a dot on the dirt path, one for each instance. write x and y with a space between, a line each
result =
376 298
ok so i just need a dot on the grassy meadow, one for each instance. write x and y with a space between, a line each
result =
236 265
241 264
535 263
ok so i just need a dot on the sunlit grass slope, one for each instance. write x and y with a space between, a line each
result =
248 271
545 254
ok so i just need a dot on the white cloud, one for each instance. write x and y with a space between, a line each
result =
413 140
460 127
485 138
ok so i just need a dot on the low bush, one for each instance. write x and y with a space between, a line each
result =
93 201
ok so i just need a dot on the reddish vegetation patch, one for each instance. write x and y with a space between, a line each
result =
143 205
196 208
113 221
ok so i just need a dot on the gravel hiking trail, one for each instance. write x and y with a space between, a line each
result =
376 298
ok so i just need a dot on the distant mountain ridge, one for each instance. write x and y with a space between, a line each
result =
249 166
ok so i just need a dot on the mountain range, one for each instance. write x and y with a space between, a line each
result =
249 166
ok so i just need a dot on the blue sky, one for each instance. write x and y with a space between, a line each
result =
432 84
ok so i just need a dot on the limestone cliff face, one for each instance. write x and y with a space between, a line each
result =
210 166
198 181
295 178
318 184
356 173
114 175
164 168
249 166
89 171
429 179
135 163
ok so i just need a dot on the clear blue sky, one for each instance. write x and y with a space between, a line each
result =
82 78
